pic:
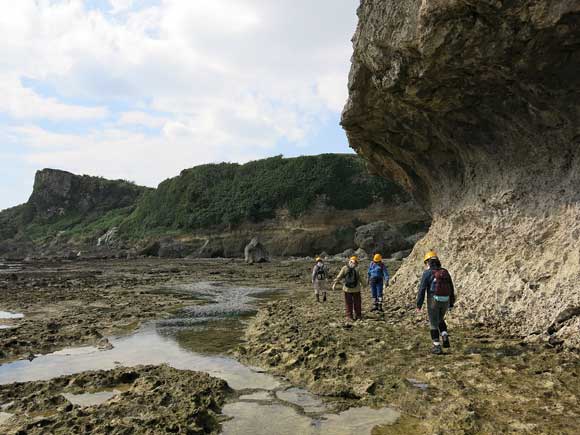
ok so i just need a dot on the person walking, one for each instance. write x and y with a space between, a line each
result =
319 279
378 277
353 283
437 284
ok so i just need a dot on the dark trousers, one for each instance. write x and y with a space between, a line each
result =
352 302
437 311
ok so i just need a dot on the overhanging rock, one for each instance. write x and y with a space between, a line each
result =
474 107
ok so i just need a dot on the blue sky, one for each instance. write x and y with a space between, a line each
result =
140 89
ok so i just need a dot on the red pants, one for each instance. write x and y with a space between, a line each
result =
352 302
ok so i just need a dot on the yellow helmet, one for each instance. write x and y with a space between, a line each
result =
318 259
378 258
354 258
429 255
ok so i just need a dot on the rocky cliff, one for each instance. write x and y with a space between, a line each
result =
64 211
58 193
474 107
299 206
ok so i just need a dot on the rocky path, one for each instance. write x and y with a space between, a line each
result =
484 384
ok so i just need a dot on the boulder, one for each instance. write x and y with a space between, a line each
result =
151 250
255 252
380 237
345 254
361 254
399 255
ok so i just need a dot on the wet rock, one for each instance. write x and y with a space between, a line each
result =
161 397
367 386
104 344
255 252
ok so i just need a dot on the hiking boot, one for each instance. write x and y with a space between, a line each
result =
317 298
375 307
324 297
437 349
381 308
446 341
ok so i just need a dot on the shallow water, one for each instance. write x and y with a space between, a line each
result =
4 417
90 399
260 419
197 339
9 315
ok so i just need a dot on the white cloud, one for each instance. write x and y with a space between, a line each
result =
141 118
213 80
22 103
119 6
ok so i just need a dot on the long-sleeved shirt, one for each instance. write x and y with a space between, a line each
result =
341 276
378 271
317 269
426 287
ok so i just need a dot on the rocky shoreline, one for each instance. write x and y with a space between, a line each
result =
377 362
475 388
69 303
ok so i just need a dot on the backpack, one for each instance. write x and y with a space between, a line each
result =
320 273
441 282
351 278
376 270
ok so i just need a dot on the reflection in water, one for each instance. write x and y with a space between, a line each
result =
196 339
257 419
144 347
90 399
9 315
305 400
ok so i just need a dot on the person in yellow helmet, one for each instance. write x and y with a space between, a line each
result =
352 286
319 279
378 276
437 284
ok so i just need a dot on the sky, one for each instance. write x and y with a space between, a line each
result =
141 89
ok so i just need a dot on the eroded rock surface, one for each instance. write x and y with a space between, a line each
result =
474 107
151 400
475 388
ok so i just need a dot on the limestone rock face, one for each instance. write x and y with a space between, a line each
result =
56 193
255 252
474 107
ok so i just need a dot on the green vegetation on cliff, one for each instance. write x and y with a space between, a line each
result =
228 194
79 207
67 208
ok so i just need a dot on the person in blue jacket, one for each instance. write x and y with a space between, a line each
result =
437 284
378 278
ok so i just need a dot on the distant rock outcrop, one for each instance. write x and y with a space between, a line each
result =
57 193
255 252
474 107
